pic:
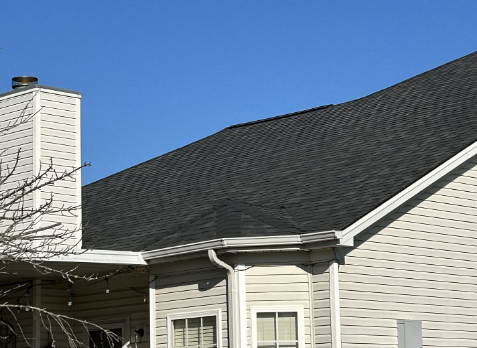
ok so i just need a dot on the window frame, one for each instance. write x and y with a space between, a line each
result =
217 313
299 310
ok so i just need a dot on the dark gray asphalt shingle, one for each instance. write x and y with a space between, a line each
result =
316 170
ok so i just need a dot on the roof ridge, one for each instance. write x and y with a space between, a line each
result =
278 117
415 77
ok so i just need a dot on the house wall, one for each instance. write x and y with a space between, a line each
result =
93 304
268 280
278 279
21 322
186 287
320 260
419 263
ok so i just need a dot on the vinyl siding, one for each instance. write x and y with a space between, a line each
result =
186 287
418 263
17 143
53 133
290 279
93 304
59 139
321 297
54 298
22 324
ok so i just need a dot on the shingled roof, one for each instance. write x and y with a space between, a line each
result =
314 170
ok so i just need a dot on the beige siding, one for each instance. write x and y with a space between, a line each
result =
321 297
186 287
16 146
54 298
279 285
59 139
22 324
290 279
93 304
419 263
53 132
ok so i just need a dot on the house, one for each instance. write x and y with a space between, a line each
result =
350 225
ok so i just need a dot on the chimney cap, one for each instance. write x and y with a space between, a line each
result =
24 81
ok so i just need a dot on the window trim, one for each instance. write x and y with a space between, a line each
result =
123 323
196 314
299 310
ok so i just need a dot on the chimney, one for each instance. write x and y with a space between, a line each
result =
42 124
24 81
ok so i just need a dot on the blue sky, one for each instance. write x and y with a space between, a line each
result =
157 75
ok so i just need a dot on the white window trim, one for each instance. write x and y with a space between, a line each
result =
196 314
299 310
123 323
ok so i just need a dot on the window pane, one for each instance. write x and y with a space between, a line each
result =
266 345
179 333
266 327
287 327
288 345
193 332
208 331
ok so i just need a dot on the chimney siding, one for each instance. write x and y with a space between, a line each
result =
53 133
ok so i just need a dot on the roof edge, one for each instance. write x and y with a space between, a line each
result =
278 117
56 89
245 242
103 257
408 193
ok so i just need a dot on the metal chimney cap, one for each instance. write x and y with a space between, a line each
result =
24 81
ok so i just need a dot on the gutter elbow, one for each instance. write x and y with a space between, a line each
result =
219 263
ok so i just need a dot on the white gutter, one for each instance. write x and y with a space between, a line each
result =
102 256
335 313
445 168
242 242
231 295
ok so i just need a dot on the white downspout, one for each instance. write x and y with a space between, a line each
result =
231 295
335 305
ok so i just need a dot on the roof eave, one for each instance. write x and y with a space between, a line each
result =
289 242
129 258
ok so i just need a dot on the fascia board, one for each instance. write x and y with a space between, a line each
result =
244 242
103 256
405 195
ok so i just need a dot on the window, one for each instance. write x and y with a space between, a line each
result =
97 338
280 327
276 330
194 330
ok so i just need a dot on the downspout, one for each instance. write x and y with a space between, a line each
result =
335 315
231 295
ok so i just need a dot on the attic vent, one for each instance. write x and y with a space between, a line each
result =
24 81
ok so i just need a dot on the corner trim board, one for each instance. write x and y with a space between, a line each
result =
335 312
152 311
241 306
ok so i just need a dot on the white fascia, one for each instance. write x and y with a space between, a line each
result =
405 195
246 242
130 258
